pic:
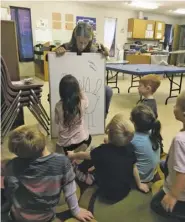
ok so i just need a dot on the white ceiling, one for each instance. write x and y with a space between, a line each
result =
164 7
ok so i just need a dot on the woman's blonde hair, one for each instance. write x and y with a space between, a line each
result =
181 101
26 142
120 130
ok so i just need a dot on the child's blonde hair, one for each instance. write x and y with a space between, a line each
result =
120 130
151 80
181 101
26 142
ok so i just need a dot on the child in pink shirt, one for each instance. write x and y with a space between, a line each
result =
170 201
69 116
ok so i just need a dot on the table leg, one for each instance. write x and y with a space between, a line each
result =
117 82
172 84
113 79
134 79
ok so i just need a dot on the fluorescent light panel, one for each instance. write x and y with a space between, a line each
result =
144 5
180 11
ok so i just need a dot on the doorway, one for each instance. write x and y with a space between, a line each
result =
110 35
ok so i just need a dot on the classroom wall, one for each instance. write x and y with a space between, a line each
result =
159 17
44 10
182 21
40 10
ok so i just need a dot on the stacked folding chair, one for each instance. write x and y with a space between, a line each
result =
17 96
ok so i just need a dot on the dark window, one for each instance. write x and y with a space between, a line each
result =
22 18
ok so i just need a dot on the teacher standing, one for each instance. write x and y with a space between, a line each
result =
82 42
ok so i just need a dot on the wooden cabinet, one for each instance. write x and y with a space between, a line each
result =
159 30
145 29
136 28
150 28
141 29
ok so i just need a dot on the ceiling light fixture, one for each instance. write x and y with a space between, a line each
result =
180 11
144 5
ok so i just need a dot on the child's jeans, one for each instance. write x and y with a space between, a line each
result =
82 171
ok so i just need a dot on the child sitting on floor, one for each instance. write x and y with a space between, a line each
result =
114 161
147 141
148 85
35 178
170 201
69 116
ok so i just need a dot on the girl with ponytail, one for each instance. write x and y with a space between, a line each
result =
147 141
69 116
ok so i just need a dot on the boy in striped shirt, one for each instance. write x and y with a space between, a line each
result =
36 177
